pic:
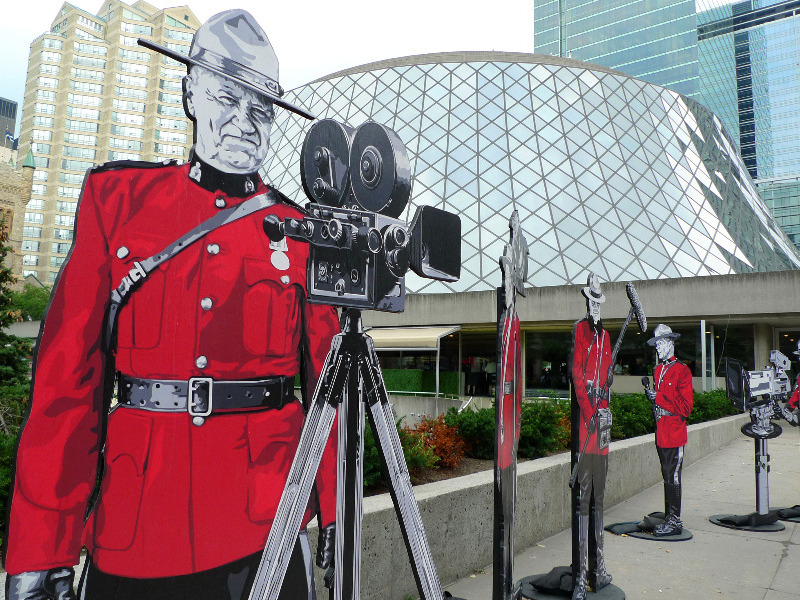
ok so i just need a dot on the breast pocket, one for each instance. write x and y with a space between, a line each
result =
140 320
272 438
270 310
126 452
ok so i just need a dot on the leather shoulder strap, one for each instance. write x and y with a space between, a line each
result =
137 275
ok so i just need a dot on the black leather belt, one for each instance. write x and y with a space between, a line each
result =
202 396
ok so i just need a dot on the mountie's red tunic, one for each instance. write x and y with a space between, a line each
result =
673 384
175 498
591 357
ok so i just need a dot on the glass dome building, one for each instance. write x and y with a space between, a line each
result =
609 173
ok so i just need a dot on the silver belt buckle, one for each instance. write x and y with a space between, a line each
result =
199 408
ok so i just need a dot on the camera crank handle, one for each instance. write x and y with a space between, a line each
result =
274 228
646 382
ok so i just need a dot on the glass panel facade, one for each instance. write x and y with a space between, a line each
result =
608 173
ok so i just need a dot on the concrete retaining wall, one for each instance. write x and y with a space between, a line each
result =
458 513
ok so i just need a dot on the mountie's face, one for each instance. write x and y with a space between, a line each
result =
232 122
665 348
594 310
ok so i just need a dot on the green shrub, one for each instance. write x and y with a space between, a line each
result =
544 428
418 452
477 428
632 415
711 405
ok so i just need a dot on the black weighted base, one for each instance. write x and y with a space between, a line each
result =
644 529
751 522
791 514
558 584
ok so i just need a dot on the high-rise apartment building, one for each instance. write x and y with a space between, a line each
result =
94 95
739 59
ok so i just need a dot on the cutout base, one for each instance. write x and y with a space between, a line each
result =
643 529
751 522
558 582
791 514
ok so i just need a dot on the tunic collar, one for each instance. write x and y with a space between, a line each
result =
237 185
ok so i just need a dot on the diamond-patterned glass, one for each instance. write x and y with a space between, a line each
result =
608 173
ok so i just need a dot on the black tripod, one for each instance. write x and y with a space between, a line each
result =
351 378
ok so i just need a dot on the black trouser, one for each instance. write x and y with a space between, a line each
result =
671 467
587 504
231 581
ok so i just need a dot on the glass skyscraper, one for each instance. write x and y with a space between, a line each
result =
740 60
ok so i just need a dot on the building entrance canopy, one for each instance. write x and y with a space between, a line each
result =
410 338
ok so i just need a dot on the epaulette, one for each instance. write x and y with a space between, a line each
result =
116 165
286 200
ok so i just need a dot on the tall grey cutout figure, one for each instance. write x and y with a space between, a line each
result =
205 340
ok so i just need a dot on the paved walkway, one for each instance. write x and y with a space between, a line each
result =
717 563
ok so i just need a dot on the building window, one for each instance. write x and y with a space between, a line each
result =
65 220
32 232
45 95
52 276
134 68
76 152
173 73
171 111
89 23
175 23
76 178
85 86
26 272
79 138
128 105
68 192
42 121
36 204
48 109
51 56
68 207
59 248
43 135
125 144
37 189
30 260
126 40
85 35
170 86
184 36
89 61
177 47
131 80
30 246
36 218
75 165
170 149
137 29
50 82
133 55
128 131
40 148
129 14
57 261
83 113
170 98
90 49
170 136
49 69
40 175
128 119
41 162
112 155
53 44
85 100
62 234
130 93
171 124
82 126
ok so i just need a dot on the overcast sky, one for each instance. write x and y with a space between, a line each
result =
314 38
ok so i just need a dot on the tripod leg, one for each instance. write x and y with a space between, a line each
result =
382 421
294 500
349 493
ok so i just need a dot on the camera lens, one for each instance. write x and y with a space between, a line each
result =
371 167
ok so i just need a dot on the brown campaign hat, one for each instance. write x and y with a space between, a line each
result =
232 44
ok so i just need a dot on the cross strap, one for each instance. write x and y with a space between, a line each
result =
137 275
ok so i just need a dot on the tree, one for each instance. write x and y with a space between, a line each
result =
31 301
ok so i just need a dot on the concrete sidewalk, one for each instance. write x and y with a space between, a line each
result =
717 563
